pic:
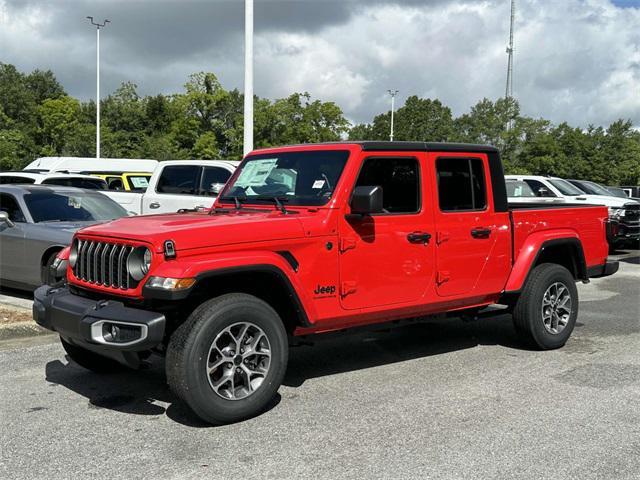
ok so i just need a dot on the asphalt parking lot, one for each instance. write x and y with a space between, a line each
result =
436 400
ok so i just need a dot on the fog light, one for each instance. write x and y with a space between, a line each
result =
118 333
113 333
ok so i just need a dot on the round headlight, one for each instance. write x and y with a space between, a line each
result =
146 261
73 254
139 262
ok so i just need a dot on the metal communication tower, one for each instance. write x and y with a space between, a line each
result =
509 89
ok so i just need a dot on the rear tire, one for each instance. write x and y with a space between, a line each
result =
228 359
546 311
92 361
46 275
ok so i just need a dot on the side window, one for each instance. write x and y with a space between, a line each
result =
78 182
540 189
10 205
179 179
461 184
11 179
213 179
399 179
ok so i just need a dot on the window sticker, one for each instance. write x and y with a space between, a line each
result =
318 184
255 173
139 182
75 202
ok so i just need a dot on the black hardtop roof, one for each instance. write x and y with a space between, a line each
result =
426 146
381 146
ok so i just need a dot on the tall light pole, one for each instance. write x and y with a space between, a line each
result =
509 89
393 94
248 76
98 26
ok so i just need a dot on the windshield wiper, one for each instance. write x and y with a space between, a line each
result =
279 201
237 201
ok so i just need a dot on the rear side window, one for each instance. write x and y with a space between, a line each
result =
399 179
540 189
213 179
179 179
11 179
518 189
461 184
91 184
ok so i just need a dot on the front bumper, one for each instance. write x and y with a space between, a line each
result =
106 327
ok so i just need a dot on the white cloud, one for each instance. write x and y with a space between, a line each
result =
576 60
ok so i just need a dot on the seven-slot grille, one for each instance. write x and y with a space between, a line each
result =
104 264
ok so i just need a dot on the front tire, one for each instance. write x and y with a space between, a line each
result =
546 311
228 359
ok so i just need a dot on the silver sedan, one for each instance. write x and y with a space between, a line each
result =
36 222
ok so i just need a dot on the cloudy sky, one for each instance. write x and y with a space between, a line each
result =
576 60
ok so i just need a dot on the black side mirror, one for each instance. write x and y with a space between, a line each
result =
366 200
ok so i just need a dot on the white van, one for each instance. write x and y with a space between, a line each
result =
90 165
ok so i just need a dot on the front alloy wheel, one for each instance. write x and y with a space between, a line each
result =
238 361
228 359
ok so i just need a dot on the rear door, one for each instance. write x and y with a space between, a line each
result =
383 260
185 186
177 187
465 221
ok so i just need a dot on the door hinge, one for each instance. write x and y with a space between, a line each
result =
442 277
347 288
347 243
441 237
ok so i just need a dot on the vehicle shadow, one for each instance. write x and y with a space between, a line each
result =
146 392
349 351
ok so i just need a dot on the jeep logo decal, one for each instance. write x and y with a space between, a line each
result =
322 290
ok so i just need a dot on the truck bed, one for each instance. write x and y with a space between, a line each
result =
587 223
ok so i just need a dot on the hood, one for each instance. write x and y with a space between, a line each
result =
197 230
68 227
602 200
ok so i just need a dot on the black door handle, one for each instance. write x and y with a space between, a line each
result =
419 237
481 232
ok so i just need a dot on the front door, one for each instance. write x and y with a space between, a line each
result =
465 221
387 258
12 241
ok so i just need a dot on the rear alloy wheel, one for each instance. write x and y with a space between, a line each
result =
547 309
556 308
228 359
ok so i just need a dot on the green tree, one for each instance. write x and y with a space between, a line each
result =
58 122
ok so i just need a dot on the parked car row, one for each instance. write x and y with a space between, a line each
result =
624 212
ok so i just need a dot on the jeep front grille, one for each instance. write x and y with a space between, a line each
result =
104 264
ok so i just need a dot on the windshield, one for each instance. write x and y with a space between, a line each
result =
519 189
617 192
566 188
594 189
298 178
72 207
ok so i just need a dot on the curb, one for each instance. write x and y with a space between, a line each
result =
21 330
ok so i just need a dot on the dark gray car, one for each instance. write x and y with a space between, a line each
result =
36 222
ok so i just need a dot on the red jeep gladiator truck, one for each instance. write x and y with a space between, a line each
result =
316 238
